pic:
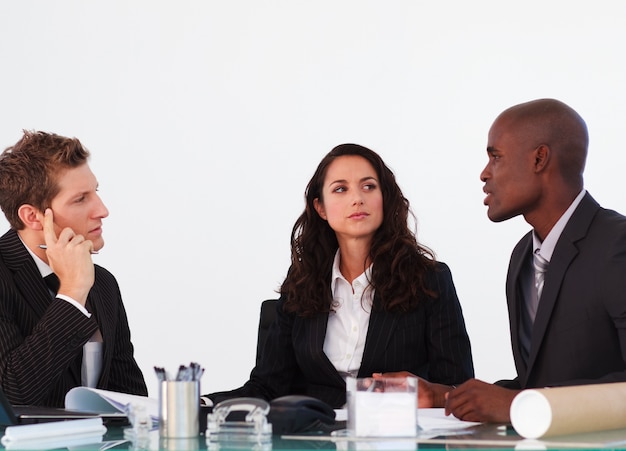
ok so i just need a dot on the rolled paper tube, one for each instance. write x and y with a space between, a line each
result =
546 412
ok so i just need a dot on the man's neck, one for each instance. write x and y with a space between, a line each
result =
32 240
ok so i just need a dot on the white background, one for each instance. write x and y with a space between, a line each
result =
206 119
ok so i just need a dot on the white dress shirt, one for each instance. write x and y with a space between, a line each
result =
348 322
546 248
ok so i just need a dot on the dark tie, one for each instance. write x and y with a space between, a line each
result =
53 283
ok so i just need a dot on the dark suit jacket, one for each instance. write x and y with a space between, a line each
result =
430 341
579 334
41 339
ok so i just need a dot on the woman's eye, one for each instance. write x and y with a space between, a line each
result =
340 189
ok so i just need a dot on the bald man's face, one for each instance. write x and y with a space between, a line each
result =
510 180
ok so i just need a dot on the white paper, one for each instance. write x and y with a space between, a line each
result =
428 419
54 429
94 400
435 419
69 441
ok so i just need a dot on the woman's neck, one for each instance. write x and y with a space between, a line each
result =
354 259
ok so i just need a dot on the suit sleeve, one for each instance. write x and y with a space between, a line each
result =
124 375
610 280
449 350
275 374
32 364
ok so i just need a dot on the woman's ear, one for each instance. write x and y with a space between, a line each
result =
319 208
30 216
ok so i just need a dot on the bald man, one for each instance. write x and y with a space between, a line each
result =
567 322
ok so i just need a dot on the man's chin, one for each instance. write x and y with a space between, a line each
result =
98 244
496 216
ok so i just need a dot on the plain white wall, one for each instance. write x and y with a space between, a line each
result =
206 119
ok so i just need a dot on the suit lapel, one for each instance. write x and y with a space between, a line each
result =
564 252
315 332
381 327
26 275
516 302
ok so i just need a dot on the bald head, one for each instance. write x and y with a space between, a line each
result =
551 122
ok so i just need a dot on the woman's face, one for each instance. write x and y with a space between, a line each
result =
351 201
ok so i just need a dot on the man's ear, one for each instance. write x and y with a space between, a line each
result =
319 208
30 216
542 157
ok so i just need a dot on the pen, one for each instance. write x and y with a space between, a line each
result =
183 373
160 373
43 246
191 373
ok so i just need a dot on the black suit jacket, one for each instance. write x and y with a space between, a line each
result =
579 334
41 339
430 341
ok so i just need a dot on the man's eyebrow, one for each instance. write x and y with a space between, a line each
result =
491 149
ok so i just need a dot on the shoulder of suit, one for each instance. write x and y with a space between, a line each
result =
104 274
523 243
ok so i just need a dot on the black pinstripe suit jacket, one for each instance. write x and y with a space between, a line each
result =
41 338
579 334
430 341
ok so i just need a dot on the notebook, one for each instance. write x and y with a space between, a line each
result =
13 415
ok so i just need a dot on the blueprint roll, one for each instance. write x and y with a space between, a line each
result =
546 412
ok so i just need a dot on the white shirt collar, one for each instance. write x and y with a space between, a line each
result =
363 279
43 267
546 249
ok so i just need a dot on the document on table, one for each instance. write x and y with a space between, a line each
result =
427 419
435 419
88 399
431 423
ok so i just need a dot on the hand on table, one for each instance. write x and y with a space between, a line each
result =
476 400
429 394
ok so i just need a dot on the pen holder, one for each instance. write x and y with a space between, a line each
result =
179 409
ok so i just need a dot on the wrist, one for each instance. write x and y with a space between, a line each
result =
439 394
75 303
79 295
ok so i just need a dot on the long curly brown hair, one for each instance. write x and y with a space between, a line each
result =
399 262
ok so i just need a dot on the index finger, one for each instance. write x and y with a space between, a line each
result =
48 227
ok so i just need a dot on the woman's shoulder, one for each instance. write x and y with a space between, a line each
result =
438 269
439 275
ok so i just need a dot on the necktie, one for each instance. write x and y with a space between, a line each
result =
53 283
541 266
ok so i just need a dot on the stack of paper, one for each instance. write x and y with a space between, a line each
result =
56 434
86 399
